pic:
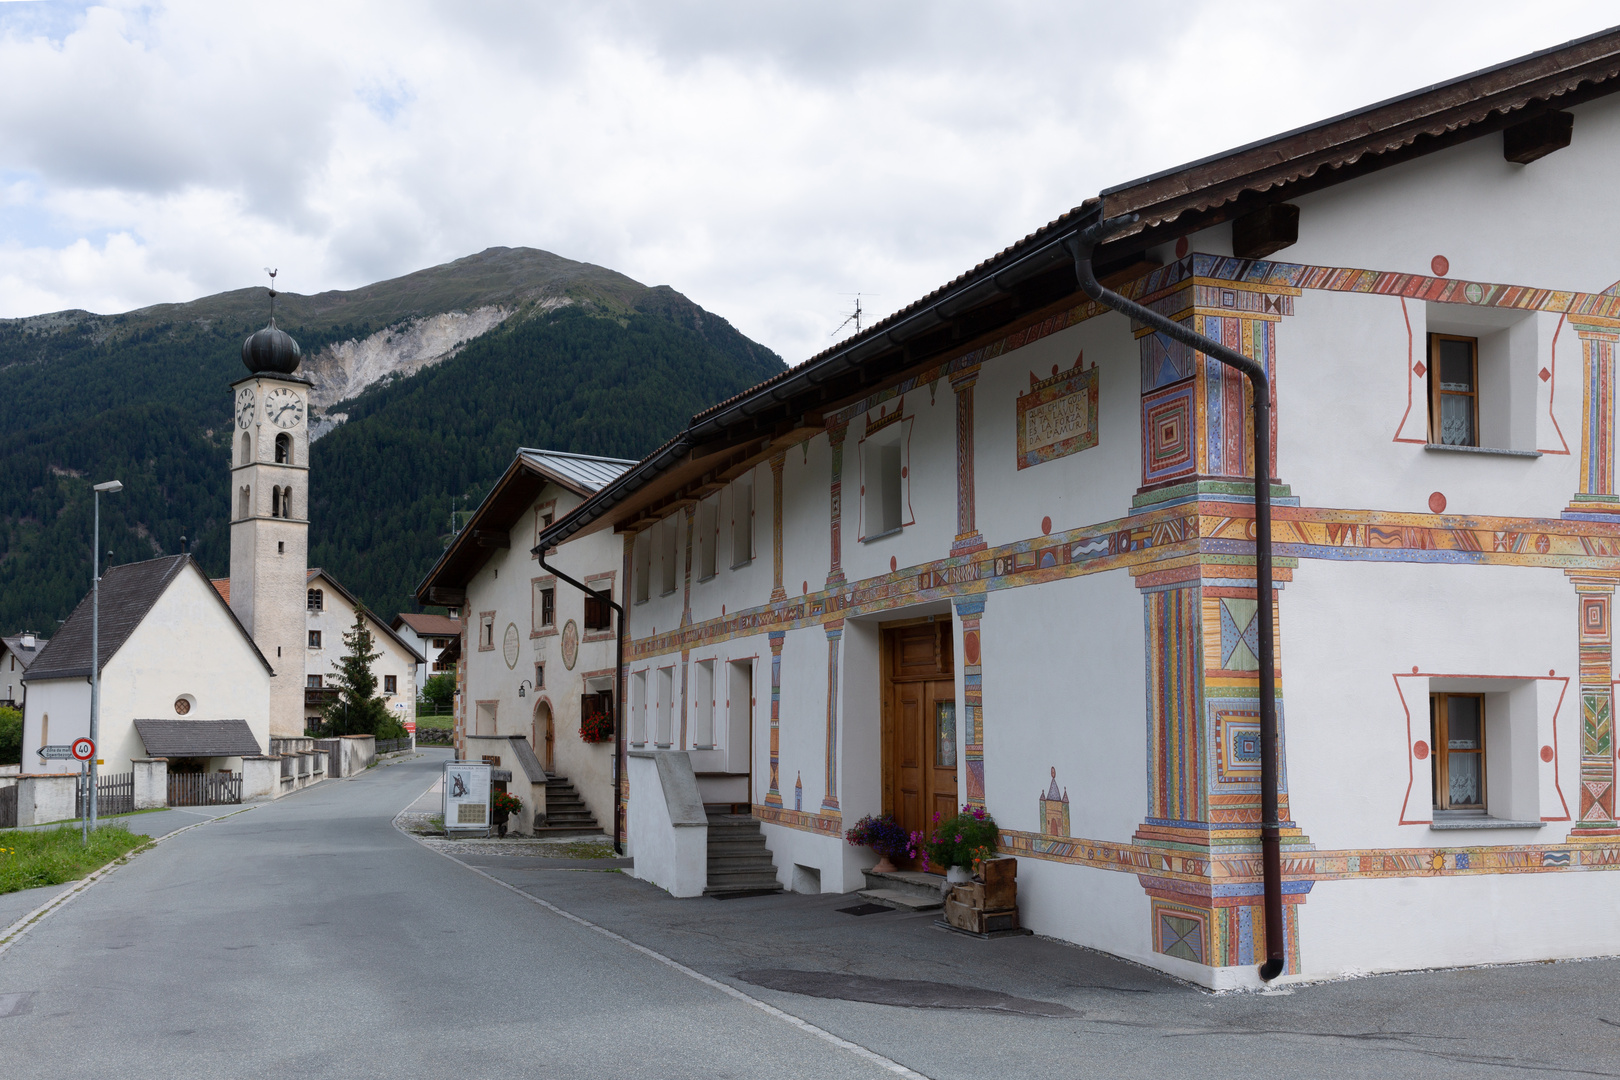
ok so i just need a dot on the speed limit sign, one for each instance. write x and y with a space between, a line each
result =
84 749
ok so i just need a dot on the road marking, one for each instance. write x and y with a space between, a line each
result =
14 933
888 1065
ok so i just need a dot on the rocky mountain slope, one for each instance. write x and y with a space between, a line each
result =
518 346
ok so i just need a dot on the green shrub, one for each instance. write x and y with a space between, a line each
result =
10 736
957 841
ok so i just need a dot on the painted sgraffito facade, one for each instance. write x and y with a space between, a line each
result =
1075 502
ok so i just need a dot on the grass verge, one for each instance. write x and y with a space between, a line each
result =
29 859
443 723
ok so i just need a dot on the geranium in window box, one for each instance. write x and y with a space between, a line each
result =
596 728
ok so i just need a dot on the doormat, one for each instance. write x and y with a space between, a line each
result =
864 909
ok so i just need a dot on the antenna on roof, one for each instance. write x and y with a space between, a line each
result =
853 316
273 293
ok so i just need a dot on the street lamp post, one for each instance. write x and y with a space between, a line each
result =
110 487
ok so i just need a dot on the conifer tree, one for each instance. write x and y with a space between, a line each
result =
358 710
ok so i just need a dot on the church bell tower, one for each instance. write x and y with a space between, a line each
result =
270 513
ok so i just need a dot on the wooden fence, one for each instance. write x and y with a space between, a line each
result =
115 794
204 789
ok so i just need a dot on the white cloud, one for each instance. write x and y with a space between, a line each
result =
762 158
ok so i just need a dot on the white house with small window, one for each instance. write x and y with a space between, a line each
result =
329 614
537 663
430 635
999 550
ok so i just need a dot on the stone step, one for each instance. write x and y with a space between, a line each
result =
914 882
901 901
569 830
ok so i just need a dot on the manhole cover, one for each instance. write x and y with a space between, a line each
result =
864 909
908 993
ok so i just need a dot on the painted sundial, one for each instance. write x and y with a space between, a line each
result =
570 644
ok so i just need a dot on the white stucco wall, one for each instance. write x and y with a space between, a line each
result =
187 646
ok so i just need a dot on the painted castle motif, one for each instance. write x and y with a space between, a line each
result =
1055 809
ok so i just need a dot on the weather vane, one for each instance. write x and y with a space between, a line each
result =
273 293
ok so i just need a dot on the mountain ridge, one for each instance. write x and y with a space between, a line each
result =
530 348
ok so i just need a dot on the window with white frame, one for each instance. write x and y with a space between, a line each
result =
638 709
1485 750
739 715
669 552
1481 369
664 719
707 533
642 555
742 520
703 706
883 477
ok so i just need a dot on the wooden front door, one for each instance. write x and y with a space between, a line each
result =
545 736
919 724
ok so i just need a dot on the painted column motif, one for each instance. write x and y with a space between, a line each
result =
778 593
1597 423
970 610
1595 596
835 635
686 576
835 439
1202 638
968 539
773 797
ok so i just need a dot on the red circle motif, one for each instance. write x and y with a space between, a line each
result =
1546 753
1181 247
970 647
893 565
1420 749
1046 526
1437 503
1543 544
1440 265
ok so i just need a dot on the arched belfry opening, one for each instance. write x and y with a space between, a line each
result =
284 449
247 449
244 501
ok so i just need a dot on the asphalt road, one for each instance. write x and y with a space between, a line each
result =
309 937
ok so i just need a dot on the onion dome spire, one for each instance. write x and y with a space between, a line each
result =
271 349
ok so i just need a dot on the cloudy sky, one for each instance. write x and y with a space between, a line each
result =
765 159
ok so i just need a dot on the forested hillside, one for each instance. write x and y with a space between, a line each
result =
144 397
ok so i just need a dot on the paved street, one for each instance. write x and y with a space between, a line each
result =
310 937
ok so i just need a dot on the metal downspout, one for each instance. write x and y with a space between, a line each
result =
618 692
1081 247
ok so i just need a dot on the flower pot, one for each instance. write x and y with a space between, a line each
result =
958 875
885 865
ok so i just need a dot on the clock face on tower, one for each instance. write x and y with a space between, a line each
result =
284 407
244 407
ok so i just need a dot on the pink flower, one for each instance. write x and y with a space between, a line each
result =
958 838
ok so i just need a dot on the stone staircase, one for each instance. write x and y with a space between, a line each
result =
905 890
739 862
566 812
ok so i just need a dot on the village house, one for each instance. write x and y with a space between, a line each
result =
329 614
999 550
430 635
537 654
171 650
16 653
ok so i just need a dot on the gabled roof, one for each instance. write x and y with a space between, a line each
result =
512 495
582 474
197 738
315 572
428 625
25 656
222 585
1035 276
128 593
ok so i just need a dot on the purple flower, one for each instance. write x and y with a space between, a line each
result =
958 838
